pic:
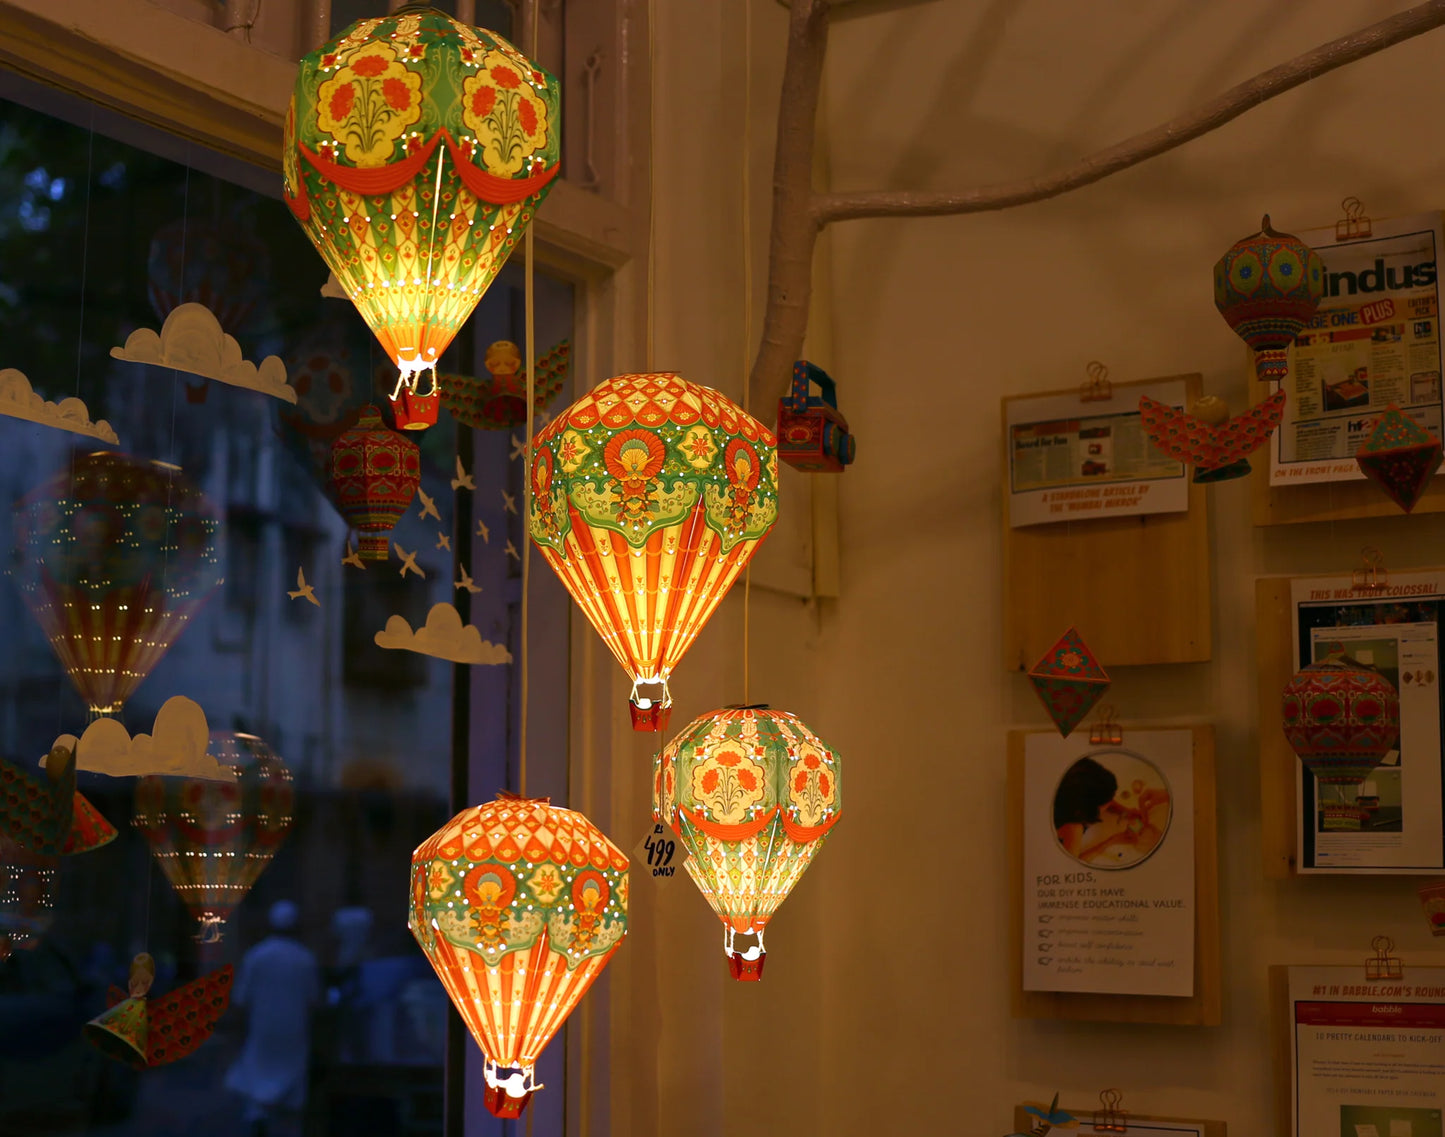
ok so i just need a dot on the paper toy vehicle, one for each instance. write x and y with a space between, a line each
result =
813 435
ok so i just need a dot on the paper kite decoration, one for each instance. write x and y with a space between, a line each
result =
752 793
813 435
1399 457
519 905
1069 680
1341 717
144 1032
1267 287
375 473
499 402
42 818
416 151
214 838
1207 438
649 496
113 558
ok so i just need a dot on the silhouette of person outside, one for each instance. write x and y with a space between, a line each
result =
278 986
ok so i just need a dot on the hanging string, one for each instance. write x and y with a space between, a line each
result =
747 226
651 180
530 363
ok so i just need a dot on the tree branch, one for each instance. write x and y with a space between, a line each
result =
1212 115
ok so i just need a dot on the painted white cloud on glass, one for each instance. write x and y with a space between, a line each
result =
19 400
192 340
444 636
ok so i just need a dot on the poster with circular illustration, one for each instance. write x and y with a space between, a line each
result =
1111 810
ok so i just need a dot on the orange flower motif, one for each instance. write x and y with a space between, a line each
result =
341 101
368 104
527 115
397 94
506 78
368 66
728 783
483 100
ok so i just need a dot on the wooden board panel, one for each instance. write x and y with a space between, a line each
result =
1137 588
1205 1007
1274 665
1023 1121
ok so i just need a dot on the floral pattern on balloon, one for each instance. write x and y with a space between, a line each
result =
508 118
368 104
812 786
728 783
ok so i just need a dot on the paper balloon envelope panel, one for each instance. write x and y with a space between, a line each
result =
649 496
1216 445
519 905
416 151
42 818
144 1032
1069 680
1399 457
813 435
752 793
214 838
113 558
1267 287
499 402
1341 718
374 476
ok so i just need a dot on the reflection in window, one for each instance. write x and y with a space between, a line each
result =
336 1024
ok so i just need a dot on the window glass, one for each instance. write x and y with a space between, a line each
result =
336 1022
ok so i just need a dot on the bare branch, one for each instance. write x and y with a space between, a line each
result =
832 207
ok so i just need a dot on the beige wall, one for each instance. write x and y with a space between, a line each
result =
885 1007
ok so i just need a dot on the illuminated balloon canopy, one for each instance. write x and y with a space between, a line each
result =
649 496
519 905
752 793
213 839
416 151
113 557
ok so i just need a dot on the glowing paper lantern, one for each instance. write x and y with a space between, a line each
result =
519 905
212 838
114 556
1341 718
649 496
416 151
1267 287
752 793
374 476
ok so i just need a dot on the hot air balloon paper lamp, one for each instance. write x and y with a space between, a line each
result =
649 496
114 556
374 476
1399 456
1267 287
1341 717
1069 681
519 905
214 838
752 793
416 152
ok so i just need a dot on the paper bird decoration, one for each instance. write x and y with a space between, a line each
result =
499 402
1207 438
1049 1117
1399 456
1069 680
144 1032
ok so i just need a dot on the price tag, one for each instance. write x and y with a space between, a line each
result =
659 855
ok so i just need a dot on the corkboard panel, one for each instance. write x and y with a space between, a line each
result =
1091 574
1206 1006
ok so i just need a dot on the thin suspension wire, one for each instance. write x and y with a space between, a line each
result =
747 225
651 179
530 363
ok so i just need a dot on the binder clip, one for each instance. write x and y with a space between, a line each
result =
1383 965
1105 730
1097 388
1110 1117
1354 225
813 435
1370 576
